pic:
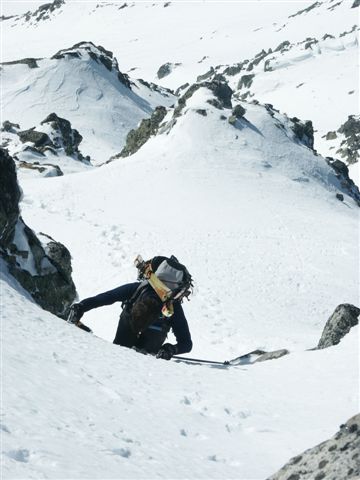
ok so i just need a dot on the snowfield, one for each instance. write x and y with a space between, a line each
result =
79 407
251 210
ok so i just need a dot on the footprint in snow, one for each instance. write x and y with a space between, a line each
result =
4 428
122 452
21 455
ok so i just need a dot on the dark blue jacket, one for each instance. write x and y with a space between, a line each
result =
177 321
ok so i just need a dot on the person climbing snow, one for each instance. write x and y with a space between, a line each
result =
150 308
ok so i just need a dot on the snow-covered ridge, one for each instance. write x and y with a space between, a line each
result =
44 12
81 84
48 149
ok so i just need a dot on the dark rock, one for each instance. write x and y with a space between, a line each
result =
350 147
39 139
181 88
331 136
272 355
238 111
267 67
326 36
306 10
234 69
10 195
304 132
10 127
221 90
355 4
202 112
46 169
310 42
66 137
46 275
215 103
342 173
164 70
283 46
232 120
246 81
43 12
30 62
124 79
259 57
340 197
332 459
206 75
138 137
339 324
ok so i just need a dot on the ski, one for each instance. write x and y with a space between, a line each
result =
245 359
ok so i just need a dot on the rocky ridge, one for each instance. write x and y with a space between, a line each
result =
335 459
46 148
42 266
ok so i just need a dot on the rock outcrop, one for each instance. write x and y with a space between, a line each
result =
220 89
304 132
339 324
97 53
43 268
136 138
342 174
350 146
334 459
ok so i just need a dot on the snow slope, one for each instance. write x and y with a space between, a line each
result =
146 35
252 212
79 85
78 407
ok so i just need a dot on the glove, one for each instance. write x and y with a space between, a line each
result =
84 327
166 351
76 312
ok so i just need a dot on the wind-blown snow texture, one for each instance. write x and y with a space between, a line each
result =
251 211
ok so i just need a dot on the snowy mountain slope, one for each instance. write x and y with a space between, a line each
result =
84 85
246 207
215 34
78 407
48 149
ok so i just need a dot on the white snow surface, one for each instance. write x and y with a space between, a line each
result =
78 407
250 211
83 91
271 257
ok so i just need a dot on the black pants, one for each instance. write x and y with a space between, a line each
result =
150 340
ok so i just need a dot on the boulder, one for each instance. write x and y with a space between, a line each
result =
334 459
164 70
304 132
238 111
272 355
43 269
331 136
339 324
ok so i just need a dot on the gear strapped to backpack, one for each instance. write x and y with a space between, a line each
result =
168 277
163 281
